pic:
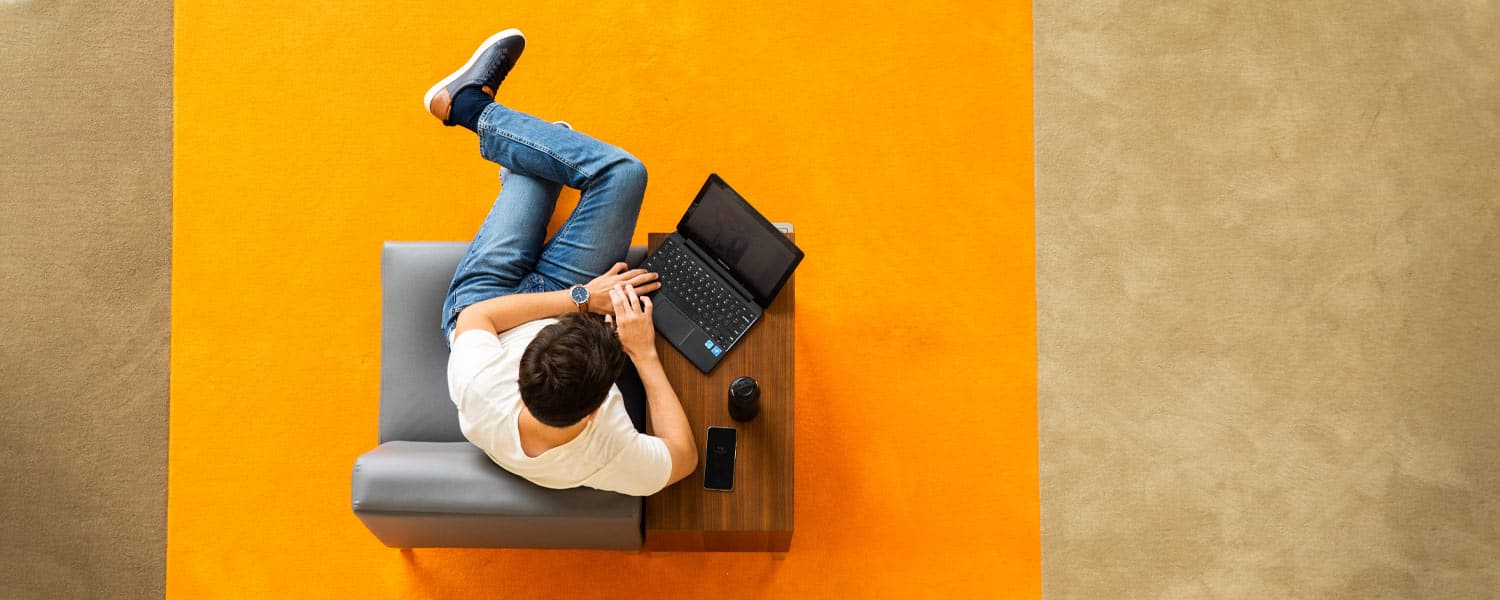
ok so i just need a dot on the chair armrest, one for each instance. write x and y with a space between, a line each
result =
458 478
450 495
635 256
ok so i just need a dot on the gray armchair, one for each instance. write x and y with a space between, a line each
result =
425 485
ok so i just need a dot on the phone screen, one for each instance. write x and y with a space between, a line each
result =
718 471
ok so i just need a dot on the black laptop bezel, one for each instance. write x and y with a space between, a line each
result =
713 179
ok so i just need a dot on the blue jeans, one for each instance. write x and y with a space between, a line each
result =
508 255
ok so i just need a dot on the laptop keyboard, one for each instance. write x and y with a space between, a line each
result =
701 296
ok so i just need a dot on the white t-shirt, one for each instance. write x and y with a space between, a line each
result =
610 454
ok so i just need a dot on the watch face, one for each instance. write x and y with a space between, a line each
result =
580 294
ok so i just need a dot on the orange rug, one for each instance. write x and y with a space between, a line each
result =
897 139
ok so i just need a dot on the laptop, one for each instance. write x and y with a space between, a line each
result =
718 272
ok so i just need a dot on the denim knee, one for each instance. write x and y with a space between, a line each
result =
629 172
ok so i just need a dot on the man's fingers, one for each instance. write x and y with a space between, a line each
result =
624 305
617 298
617 269
647 288
635 301
646 303
642 278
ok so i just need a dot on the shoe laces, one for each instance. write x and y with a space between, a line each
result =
497 66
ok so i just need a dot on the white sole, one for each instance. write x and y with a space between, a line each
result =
427 99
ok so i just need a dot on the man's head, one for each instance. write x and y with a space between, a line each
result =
568 368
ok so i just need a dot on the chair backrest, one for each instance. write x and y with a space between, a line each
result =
414 404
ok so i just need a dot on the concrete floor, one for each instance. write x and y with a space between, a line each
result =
85 259
1268 264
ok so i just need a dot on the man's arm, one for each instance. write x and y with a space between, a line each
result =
667 417
500 314
633 315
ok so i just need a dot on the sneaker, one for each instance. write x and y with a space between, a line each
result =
486 68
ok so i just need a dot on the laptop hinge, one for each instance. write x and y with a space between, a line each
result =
719 269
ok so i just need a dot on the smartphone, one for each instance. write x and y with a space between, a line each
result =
718 470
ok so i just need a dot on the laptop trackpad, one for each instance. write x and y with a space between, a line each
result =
672 324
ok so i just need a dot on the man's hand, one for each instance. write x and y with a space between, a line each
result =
632 319
599 289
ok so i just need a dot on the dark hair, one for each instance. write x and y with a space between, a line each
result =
567 369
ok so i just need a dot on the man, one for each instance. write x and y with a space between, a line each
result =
536 391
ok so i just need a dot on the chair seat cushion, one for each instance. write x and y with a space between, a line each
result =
414 277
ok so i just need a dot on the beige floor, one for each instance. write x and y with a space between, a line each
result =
1269 291
85 251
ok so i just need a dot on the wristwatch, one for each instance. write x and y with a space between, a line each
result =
580 296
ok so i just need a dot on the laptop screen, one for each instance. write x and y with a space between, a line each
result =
725 225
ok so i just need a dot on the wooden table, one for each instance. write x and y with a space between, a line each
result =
757 515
